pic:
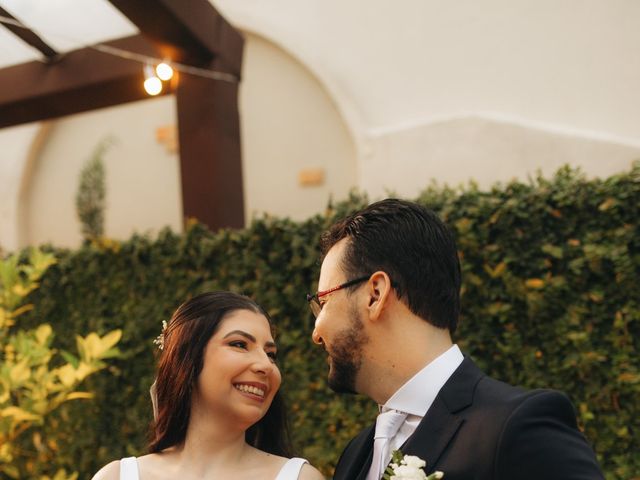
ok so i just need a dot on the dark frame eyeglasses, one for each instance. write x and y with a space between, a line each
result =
314 300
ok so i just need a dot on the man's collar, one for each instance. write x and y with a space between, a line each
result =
418 393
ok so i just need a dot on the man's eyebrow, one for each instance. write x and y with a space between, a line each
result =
248 336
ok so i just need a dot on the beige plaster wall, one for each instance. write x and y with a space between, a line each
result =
289 126
563 74
15 145
572 63
484 150
142 176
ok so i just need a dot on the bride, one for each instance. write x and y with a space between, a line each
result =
218 412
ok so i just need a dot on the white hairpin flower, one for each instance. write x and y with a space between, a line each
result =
159 340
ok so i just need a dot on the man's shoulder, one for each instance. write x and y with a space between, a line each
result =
497 391
506 400
503 398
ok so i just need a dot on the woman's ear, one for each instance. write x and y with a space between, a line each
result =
379 294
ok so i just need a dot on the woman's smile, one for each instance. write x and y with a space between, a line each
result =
253 390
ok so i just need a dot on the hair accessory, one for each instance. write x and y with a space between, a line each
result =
159 341
153 391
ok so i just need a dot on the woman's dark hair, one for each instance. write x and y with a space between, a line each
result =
181 362
413 246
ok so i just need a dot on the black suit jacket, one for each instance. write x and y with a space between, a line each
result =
479 429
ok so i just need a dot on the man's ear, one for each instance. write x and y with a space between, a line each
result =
379 290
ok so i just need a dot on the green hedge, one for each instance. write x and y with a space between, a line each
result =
550 299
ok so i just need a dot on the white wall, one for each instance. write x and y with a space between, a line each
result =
142 177
289 125
15 145
486 150
427 87
572 63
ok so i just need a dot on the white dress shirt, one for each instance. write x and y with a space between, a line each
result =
417 395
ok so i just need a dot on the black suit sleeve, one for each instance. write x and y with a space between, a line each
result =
541 440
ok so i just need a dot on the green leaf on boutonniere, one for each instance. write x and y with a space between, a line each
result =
408 464
396 457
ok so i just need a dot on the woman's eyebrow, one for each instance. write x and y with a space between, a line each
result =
248 336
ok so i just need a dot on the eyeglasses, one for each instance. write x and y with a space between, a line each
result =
314 300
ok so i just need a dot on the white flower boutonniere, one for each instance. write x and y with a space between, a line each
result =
408 467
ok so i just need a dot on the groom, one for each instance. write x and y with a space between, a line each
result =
388 301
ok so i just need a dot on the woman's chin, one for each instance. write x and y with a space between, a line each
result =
250 414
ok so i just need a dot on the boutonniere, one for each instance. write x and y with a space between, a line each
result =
408 467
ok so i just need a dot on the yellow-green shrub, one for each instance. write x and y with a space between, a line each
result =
31 387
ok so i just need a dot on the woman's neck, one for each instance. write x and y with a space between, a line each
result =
211 445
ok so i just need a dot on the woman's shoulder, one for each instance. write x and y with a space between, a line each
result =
309 472
287 466
300 467
111 471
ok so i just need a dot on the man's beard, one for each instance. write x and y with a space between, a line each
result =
346 356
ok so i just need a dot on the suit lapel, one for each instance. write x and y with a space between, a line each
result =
356 459
442 421
433 434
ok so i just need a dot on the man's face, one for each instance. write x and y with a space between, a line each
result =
339 327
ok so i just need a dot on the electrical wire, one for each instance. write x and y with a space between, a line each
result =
140 58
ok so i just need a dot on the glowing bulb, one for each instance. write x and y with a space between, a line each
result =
153 85
164 71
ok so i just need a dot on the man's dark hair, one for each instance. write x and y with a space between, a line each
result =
413 246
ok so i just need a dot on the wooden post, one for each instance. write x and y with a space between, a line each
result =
210 156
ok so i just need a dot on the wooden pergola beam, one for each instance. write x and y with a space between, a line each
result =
80 81
28 36
189 31
210 156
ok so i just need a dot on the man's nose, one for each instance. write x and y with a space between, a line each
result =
315 335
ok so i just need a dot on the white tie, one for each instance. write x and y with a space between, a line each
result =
387 425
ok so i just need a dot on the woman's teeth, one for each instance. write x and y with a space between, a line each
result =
250 389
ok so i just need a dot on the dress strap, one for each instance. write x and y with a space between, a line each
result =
129 469
291 469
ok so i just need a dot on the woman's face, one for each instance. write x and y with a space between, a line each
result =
239 375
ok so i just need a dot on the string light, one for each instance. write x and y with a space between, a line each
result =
153 77
162 65
152 84
164 71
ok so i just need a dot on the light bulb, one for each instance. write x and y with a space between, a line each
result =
153 85
164 71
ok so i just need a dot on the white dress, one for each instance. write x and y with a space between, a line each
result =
290 470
